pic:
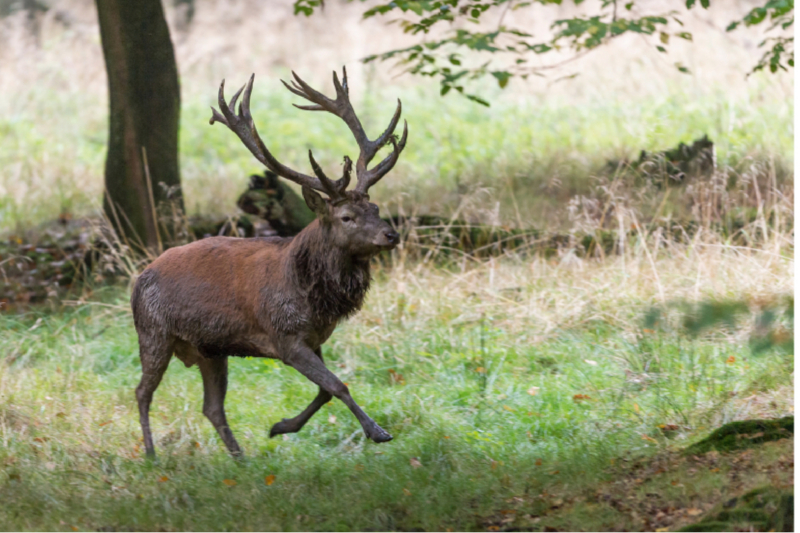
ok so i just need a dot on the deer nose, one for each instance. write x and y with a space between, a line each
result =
392 236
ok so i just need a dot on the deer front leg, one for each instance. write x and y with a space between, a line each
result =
305 361
293 425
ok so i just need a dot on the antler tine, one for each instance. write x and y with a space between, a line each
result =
330 185
232 105
344 80
309 93
384 138
245 128
348 167
244 107
369 178
309 107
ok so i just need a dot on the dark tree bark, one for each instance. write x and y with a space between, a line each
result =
144 99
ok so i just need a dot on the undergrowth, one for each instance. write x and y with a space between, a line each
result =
501 381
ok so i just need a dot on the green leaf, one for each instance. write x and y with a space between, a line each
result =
683 69
629 6
661 49
664 37
477 99
684 35
502 78
306 7
705 3
689 4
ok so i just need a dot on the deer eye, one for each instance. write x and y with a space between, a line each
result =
346 219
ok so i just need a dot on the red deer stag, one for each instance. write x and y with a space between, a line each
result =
269 297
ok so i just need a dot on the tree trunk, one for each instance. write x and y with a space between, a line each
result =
144 99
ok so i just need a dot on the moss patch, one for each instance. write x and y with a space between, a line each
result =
766 508
743 434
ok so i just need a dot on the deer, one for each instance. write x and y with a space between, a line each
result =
270 297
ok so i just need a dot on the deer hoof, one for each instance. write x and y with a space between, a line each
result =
281 427
378 434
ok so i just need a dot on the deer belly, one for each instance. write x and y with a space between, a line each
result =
239 348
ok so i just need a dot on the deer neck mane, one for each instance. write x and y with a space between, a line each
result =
334 281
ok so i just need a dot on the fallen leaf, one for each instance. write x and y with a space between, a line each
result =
581 397
538 462
662 529
395 377
648 438
714 470
507 408
731 360
480 370
162 479
694 511
407 492
74 528
648 330
107 422
359 467
445 437
196 444
270 479
332 419
554 472
415 462
493 528
61 415
636 407
533 391
229 482
590 362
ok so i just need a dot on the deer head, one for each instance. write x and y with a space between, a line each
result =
352 222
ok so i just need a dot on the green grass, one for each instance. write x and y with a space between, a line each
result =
461 404
530 156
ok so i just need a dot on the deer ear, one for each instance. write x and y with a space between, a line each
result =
314 201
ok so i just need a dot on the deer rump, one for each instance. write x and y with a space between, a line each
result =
269 297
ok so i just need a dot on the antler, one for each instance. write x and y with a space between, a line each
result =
244 127
342 108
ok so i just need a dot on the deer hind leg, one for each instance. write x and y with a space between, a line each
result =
215 385
293 425
155 352
307 363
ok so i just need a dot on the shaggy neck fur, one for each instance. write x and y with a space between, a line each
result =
335 282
